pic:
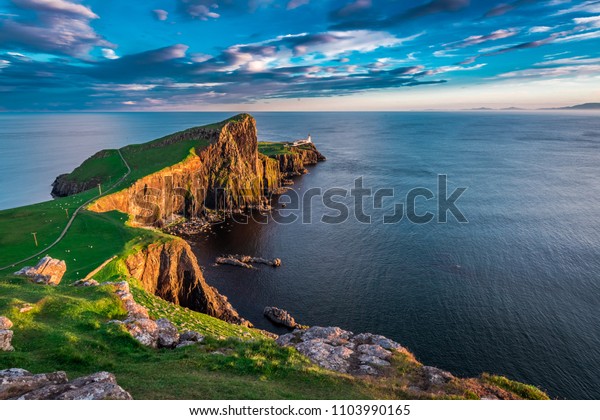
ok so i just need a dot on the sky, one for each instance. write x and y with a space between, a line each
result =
297 55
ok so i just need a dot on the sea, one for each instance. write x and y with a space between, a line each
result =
491 263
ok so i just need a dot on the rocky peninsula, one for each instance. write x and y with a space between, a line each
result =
145 291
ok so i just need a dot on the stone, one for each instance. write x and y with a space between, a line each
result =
16 382
23 385
192 336
185 344
280 316
168 336
374 350
372 360
435 376
143 330
48 271
5 340
5 323
86 283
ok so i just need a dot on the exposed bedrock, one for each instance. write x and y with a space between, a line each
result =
170 270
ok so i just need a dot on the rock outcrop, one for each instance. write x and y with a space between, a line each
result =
170 270
281 317
6 334
228 174
245 260
157 334
342 351
294 164
19 384
48 271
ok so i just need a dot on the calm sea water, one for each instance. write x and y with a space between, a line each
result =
516 291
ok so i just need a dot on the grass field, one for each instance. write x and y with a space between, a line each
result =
104 167
274 149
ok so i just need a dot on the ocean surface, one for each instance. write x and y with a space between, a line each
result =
515 291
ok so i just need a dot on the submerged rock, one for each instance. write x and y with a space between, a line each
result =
48 271
245 260
19 384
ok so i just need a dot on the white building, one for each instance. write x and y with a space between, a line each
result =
307 140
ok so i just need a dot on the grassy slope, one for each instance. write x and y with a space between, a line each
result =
273 149
103 167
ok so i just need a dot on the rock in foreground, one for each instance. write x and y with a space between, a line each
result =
6 334
19 384
49 271
342 351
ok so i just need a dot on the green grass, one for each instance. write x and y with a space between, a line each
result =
145 160
68 330
528 392
48 219
104 167
274 149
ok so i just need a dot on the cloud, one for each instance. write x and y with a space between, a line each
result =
590 21
56 6
480 39
59 27
376 21
586 6
352 8
294 4
200 9
109 54
553 72
539 29
160 14
504 8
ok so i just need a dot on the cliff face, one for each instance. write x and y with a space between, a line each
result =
294 164
170 270
228 174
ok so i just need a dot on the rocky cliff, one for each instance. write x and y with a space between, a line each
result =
170 270
294 163
229 174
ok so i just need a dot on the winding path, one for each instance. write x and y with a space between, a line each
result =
73 216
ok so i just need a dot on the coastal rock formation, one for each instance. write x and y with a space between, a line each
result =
293 164
228 174
157 334
170 270
342 351
48 271
19 384
6 334
245 260
281 317
64 185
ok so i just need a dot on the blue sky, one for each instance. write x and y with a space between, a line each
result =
297 54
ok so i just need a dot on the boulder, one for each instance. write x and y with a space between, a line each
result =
23 385
192 336
48 271
6 340
143 330
168 336
5 323
281 317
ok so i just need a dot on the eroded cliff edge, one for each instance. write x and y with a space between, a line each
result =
227 174
170 271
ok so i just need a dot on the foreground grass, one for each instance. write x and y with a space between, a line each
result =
67 330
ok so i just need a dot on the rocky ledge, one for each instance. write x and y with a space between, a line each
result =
19 384
48 271
342 351
245 260
281 317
